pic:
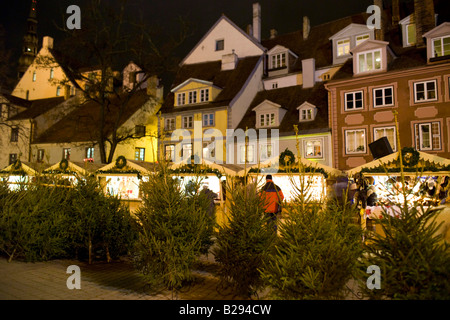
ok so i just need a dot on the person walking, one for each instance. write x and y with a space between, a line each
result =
273 196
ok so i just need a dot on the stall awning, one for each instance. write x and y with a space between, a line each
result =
24 168
273 168
224 169
126 166
427 162
69 167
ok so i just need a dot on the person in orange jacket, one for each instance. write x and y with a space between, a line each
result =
273 198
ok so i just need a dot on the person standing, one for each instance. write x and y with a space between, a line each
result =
273 197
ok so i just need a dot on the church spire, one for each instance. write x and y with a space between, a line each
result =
30 41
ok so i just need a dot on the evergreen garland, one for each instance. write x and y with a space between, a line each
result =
287 157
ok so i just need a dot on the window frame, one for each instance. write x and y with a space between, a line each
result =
139 156
374 97
89 152
192 96
278 60
40 155
353 93
433 50
14 134
140 131
425 91
364 151
344 43
204 95
12 158
267 117
358 42
419 137
366 53
208 120
168 125
394 146
66 153
189 124
171 152
305 146
219 45
181 98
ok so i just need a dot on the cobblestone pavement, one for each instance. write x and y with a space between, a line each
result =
99 281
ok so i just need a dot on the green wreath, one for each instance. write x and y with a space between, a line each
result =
410 156
286 158
64 164
121 162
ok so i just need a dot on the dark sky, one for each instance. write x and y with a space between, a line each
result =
283 15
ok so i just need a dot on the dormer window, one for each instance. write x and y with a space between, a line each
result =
307 112
360 39
411 34
343 47
194 91
278 60
267 119
369 61
441 46
181 98
192 97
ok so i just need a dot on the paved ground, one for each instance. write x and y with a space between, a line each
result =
99 281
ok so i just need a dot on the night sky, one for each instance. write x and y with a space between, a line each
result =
283 15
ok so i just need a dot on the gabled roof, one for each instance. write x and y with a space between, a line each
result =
231 82
82 124
38 107
369 44
352 28
266 102
441 29
290 98
181 85
318 45
223 18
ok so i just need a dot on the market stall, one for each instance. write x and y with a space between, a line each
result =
424 182
69 173
21 173
211 176
122 178
292 176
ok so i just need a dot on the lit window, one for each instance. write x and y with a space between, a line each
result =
354 100
266 151
360 39
313 148
51 73
58 91
425 91
267 119
274 85
12 158
187 150
250 154
66 153
441 46
208 120
411 34
139 154
139 131
90 153
188 122
389 133
34 76
343 47
40 155
169 152
369 61
383 97
355 141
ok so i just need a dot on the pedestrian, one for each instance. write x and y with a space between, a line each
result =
273 197
211 196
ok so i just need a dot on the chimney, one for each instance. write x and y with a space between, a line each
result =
424 17
229 61
250 30
395 13
379 33
309 73
257 21
306 27
47 42
273 33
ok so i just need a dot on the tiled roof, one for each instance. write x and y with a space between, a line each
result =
82 124
230 81
38 107
290 98
317 45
